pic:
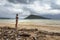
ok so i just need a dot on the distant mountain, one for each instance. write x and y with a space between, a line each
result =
4 18
52 16
35 17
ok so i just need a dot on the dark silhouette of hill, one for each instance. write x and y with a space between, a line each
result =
36 17
5 18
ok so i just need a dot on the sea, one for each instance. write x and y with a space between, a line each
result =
41 21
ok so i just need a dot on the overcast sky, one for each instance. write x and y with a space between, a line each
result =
8 8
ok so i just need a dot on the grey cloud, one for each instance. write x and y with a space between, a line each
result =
32 12
54 5
4 12
45 1
21 1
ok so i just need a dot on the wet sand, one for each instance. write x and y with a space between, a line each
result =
31 25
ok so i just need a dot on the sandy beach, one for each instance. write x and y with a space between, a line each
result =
44 31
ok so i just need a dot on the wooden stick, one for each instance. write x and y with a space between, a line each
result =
16 25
